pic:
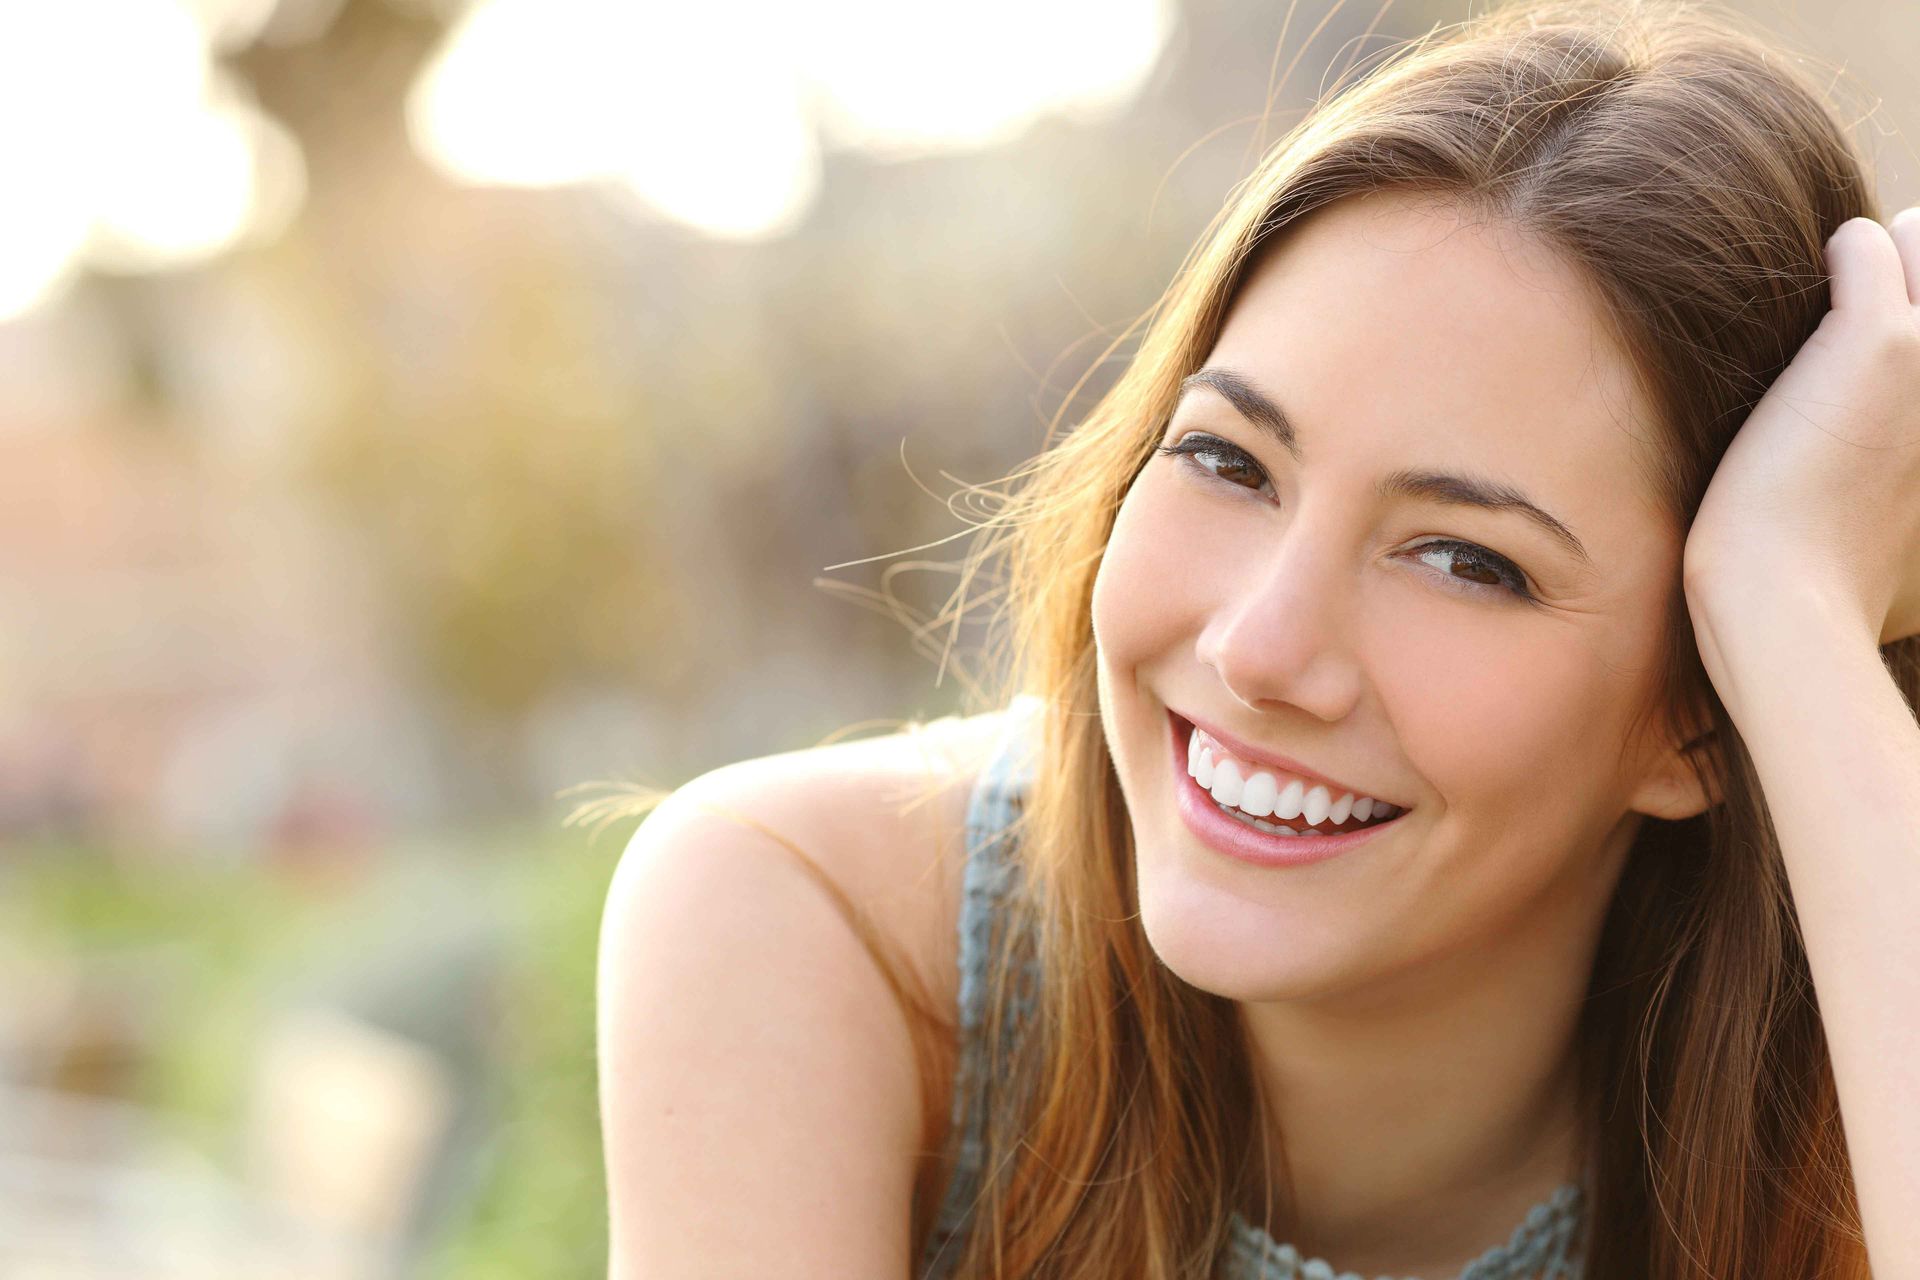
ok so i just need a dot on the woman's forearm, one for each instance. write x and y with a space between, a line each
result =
1837 751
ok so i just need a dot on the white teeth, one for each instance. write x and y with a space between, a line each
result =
1258 795
1226 783
1275 828
1286 805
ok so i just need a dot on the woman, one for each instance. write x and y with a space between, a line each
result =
1443 478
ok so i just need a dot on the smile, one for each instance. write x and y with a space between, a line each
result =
1306 825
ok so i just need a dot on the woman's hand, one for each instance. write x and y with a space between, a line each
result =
1820 489
1804 554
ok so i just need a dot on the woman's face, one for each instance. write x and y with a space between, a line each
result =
1380 636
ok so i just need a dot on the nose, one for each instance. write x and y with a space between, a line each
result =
1281 630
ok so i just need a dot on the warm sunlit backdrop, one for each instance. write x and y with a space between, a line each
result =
410 409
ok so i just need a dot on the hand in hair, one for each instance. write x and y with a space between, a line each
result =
1820 490
1803 561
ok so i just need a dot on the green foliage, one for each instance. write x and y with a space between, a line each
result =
200 943
226 941
541 1209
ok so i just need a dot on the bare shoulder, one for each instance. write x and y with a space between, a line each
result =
750 1050
883 816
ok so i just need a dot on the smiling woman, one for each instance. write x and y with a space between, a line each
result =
1290 586
1365 860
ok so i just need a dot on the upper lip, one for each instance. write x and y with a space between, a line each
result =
1259 755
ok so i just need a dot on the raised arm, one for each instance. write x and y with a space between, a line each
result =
1803 559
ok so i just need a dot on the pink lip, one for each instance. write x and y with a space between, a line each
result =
1238 840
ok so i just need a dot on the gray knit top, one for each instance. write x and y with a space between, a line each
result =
1543 1246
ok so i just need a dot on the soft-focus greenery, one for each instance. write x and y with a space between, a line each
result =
541 1210
222 945
206 941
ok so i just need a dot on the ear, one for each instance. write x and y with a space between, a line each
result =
1669 788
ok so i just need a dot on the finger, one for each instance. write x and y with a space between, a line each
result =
1905 230
1868 276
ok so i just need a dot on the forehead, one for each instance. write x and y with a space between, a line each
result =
1404 329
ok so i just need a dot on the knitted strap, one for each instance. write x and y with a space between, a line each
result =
989 874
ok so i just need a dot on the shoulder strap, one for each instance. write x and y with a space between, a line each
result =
989 876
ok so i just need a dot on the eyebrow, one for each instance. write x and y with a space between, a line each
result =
1431 486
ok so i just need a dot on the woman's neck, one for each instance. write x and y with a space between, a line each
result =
1421 1120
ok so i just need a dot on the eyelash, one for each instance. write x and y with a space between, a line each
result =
1513 582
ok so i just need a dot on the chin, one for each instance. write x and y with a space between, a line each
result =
1243 950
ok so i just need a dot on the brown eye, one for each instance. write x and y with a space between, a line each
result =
1218 458
1484 569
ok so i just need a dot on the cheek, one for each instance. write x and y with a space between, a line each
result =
1489 713
1137 605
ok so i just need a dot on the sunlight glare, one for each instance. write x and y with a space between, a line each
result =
714 114
694 121
1001 65
118 152
182 191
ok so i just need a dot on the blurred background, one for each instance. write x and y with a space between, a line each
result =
412 409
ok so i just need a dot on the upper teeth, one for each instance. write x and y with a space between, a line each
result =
1261 792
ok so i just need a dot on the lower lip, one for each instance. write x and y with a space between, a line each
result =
1250 844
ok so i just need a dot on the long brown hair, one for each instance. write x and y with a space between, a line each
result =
1693 173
